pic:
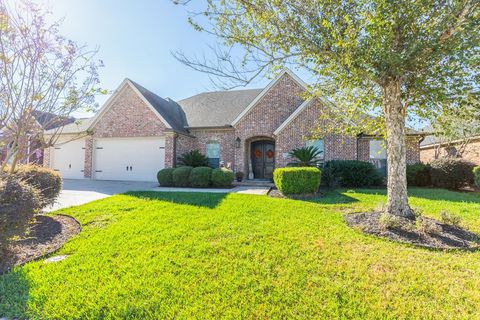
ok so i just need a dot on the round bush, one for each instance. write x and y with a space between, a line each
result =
418 174
165 178
200 177
180 176
351 173
47 181
297 180
476 175
19 202
451 173
222 177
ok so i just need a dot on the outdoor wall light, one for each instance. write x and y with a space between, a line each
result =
237 142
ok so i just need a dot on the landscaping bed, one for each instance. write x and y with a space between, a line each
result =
438 236
46 235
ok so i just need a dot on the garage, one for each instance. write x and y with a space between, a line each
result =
128 159
68 158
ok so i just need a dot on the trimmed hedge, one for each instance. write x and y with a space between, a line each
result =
200 177
222 177
19 202
418 175
165 177
297 180
47 181
351 173
451 173
180 176
476 175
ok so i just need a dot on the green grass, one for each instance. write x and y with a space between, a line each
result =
180 255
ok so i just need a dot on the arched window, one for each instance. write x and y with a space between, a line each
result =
213 154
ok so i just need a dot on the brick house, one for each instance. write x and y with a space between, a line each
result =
136 133
431 149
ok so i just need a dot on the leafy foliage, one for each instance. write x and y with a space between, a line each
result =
200 177
306 156
193 159
476 173
47 181
451 173
418 174
19 202
222 177
299 180
351 173
450 218
180 176
165 177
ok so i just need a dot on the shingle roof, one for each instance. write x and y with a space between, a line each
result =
50 120
219 108
167 108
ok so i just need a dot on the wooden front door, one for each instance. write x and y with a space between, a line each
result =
263 159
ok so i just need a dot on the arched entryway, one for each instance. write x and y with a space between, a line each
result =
262 158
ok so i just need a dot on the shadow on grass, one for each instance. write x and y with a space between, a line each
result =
330 196
198 199
14 294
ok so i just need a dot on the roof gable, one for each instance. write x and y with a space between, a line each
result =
284 72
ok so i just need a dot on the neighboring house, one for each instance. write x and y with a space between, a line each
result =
136 133
433 148
31 149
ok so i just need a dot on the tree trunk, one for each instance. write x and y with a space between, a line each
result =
395 113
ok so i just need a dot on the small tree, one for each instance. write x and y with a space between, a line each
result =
43 76
306 156
388 58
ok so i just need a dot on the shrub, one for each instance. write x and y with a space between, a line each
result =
200 177
451 173
47 181
180 176
222 177
389 221
476 175
428 226
450 218
193 159
239 175
19 202
297 180
418 174
306 156
351 173
165 177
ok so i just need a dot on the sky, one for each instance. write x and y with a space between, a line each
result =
136 40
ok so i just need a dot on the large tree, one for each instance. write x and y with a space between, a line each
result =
44 79
380 57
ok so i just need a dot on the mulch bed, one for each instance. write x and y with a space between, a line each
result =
46 235
274 193
443 236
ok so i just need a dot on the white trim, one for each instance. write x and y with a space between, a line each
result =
107 105
266 89
292 117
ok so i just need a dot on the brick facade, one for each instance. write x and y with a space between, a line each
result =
471 153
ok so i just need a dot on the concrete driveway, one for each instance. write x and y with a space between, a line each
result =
77 192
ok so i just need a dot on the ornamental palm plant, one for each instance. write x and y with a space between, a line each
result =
306 156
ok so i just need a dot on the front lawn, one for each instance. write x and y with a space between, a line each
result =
181 255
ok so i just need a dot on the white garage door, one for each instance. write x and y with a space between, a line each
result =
133 159
68 158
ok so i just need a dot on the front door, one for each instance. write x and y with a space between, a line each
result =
263 159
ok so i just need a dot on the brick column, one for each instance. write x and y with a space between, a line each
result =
170 150
87 169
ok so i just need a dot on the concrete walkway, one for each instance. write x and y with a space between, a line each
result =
78 192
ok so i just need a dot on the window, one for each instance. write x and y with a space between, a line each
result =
319 145
377 149
213 154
